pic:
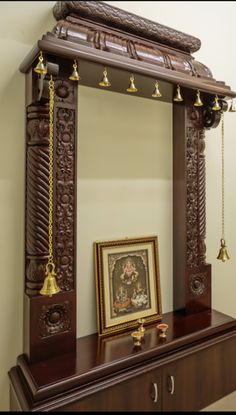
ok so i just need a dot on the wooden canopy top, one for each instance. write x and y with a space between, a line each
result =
97 33
114 17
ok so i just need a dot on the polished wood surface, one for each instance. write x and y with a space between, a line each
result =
191 273
129 44
200 379
55 371
100 364
48 319
114 17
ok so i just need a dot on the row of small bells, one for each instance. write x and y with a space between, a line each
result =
50 286
105 83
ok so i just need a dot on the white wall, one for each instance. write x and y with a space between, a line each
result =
124 186
22 23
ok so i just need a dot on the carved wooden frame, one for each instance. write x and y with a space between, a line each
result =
98 34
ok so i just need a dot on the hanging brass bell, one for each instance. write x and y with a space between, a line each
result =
50 286
156 93
216 106
223 254
75 75
198 102
105 83
40 67
178 97
132 87
232 107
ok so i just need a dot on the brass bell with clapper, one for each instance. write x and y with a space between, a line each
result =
40 67
50 286
178 97
132 87
232 107
223 254
75 74
105 83
198 102
156 93
216 106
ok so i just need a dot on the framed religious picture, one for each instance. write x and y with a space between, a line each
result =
127 283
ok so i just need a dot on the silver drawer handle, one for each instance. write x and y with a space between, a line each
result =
155 392
172 379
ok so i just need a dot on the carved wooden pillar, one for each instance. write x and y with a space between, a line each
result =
50 323
192 276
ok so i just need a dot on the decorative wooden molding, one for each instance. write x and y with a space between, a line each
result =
114 17
106 39
192 292
195 174
93 31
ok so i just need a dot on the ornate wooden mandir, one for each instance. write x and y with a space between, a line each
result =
196 365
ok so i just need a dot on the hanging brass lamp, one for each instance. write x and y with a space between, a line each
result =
40 67
198 102
216 106
223 254
50 286
156 93
178 97
75 74
105 83
132 87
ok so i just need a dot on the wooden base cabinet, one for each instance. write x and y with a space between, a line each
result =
193 368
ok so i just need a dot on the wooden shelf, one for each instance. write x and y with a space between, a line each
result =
98 358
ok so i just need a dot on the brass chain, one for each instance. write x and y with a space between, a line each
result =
223 175
50 216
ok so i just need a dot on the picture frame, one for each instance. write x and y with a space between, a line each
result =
127 283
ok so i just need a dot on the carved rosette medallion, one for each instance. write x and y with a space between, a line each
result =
195 170
198 284
55 319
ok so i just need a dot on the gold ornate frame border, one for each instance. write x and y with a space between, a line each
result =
105 329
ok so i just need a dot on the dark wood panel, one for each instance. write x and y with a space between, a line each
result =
200 379
138 394
97 358
203 372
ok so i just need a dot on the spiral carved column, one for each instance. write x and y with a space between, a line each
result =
50 323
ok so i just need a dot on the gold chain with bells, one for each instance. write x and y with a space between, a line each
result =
50 286
223 254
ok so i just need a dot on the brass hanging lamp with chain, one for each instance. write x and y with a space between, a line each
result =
50 286
223 254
